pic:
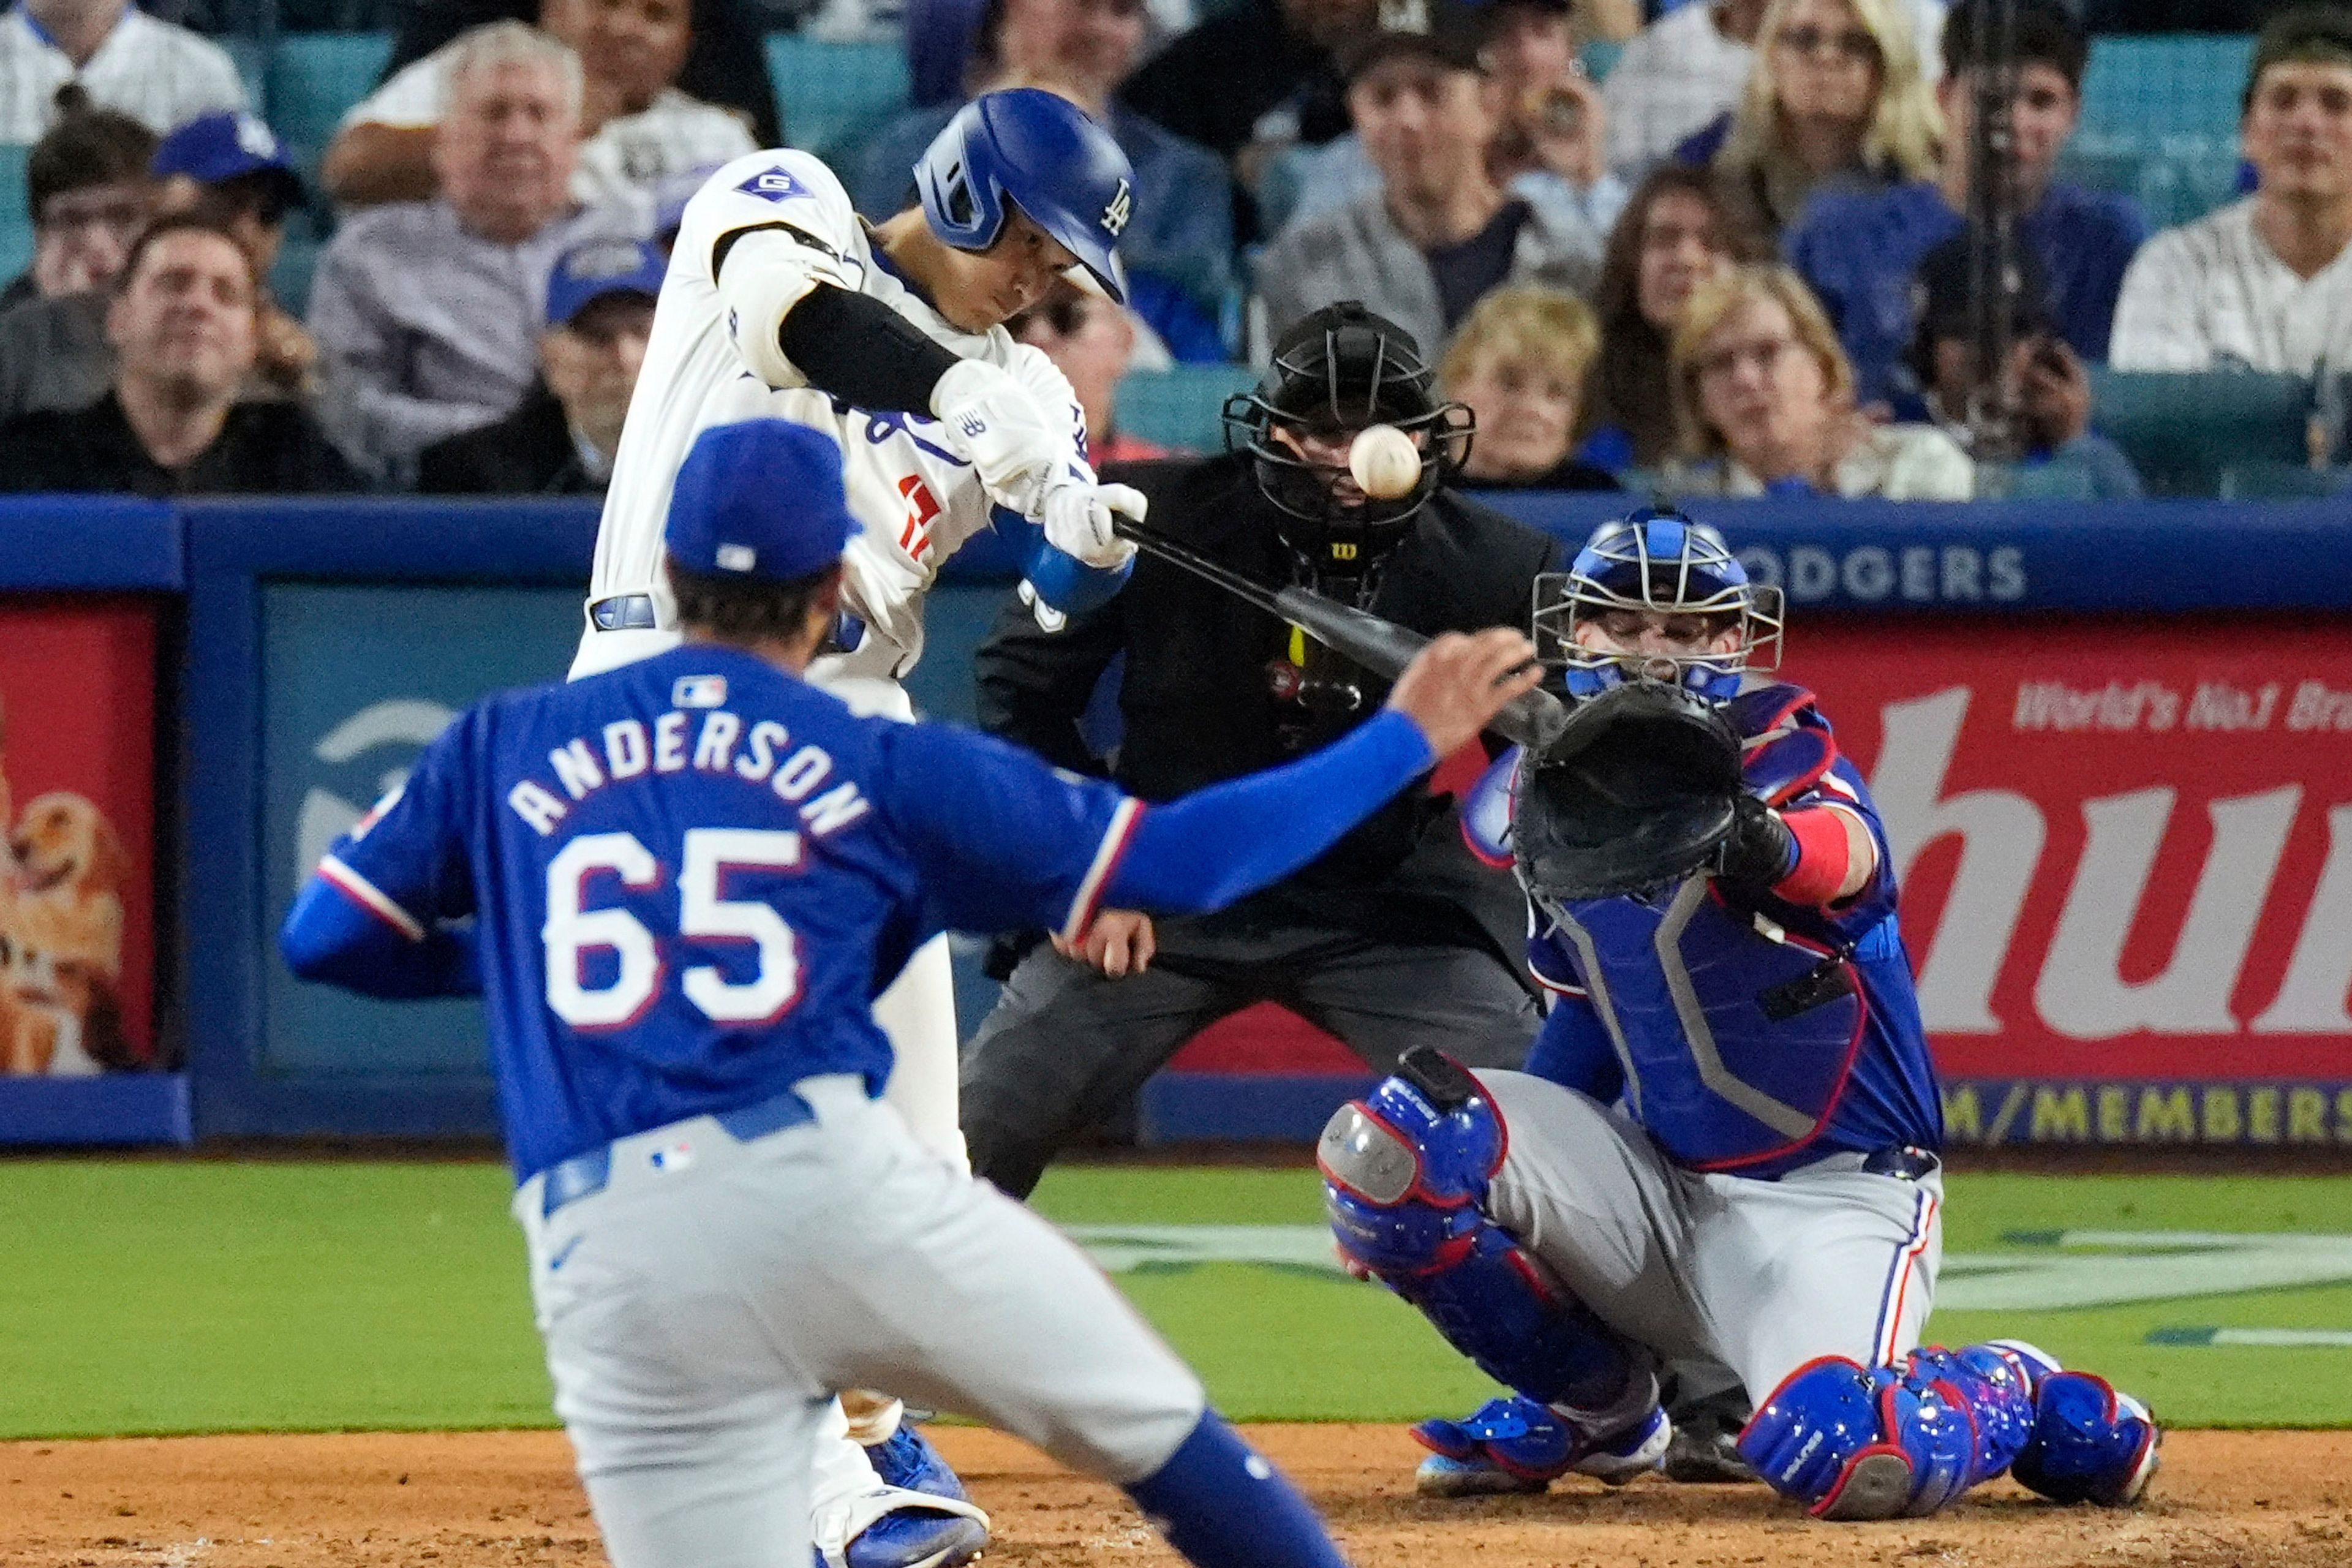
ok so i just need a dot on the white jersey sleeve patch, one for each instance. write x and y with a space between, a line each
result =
790 192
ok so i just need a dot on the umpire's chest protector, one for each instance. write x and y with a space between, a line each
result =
1737 1034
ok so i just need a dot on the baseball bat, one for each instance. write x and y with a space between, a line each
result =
1532 719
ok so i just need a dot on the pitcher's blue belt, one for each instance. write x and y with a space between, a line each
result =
568 1181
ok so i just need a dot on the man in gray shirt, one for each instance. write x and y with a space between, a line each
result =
427 313
1440 232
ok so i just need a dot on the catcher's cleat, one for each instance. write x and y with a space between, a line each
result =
1517 1445
1705 1445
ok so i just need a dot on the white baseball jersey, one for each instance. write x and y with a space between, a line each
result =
2212 295
914 499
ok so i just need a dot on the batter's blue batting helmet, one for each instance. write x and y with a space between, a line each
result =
1036 151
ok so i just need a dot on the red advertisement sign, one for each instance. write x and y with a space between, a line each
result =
76 859
2126 853
2127 858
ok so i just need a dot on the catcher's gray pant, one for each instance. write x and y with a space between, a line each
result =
1065 1045
1761 1276
701 1309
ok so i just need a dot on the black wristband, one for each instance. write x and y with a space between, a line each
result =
858 349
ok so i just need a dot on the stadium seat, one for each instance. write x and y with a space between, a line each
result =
2060 478
1600 58
2162 86
15 219
2180 431
826 94
313 80
2283 481
1183 405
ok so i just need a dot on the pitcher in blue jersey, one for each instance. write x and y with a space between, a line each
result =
680 887
1723 1149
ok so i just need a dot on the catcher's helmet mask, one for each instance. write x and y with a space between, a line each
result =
1336 371
1657 562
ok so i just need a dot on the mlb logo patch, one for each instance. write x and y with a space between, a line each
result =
774 185
698 692
677 1157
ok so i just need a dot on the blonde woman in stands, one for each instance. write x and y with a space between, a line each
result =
1764 398
1837 95
2265 283
1520 363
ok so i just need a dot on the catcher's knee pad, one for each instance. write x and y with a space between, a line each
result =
1856 1442
1405 1173
2088 1443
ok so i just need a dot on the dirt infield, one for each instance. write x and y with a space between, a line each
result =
2280 1499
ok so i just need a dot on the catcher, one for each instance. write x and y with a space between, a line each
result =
1723 1148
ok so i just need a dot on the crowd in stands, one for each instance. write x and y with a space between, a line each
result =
1712 246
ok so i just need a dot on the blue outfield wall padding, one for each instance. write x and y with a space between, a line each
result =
1244 1108
88 543
234 550
118 1108
1896 556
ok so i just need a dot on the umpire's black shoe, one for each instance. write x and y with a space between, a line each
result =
1704 1449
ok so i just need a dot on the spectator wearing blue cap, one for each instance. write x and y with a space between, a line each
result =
560 440
231 167
174 421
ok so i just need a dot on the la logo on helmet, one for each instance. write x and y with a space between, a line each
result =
1114 215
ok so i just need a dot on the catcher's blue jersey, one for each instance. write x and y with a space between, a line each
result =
1745 1033
692 876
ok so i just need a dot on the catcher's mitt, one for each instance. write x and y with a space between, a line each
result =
1638 792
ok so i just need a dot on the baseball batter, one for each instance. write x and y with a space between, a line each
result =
780 303
676 885
1724 1146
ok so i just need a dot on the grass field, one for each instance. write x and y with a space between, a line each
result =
149 1297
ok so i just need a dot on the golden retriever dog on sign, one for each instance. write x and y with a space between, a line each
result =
65 923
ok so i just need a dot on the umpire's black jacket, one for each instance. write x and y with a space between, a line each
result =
1198 703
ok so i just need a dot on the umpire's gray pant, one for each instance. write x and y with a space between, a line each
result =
1066 1045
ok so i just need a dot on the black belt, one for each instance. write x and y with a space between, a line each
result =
623 613
568 1181
1905 1163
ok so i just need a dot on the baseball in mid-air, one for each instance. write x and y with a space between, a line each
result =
1384 462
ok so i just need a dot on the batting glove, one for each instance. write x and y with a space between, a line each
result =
1078 519
995 423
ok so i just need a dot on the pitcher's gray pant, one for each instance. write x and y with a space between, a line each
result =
1761 1276
1066 1045
701 1309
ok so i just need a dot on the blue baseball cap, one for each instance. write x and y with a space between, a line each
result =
760 500
586 273
213 149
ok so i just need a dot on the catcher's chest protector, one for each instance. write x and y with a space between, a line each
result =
1735 1045
1737 1035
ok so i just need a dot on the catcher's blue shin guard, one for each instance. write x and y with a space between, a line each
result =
1223 1506
1855 1442
1405 1171
2089 1443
